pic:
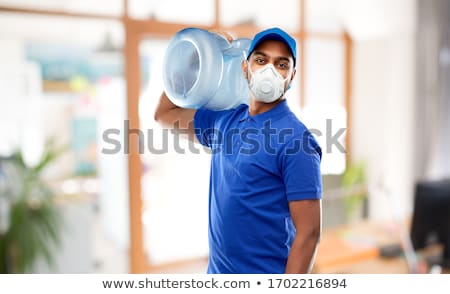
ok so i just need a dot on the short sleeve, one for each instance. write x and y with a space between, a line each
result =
204 125
300 165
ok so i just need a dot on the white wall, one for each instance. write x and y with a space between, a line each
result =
383 108
85 32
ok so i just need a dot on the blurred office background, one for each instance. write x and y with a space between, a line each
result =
73 71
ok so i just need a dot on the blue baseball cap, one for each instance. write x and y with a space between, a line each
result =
276 34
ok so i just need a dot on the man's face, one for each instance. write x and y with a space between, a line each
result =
275 52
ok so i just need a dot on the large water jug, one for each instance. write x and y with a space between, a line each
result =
203 69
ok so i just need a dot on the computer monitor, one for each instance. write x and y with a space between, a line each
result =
431 217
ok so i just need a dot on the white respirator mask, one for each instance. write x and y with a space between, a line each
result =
267 84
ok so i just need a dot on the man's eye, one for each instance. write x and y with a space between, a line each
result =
283 65
259 60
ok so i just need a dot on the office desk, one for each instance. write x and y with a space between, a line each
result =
355 249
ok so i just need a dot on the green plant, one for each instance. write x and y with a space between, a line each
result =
34 222
355 188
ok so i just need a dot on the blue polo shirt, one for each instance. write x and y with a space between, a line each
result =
259 163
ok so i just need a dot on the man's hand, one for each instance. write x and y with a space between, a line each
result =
227 35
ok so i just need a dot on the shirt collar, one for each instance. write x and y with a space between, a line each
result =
278 111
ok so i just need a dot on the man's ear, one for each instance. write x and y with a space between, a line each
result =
244 66
292 78
293 75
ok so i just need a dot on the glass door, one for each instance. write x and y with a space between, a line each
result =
175 176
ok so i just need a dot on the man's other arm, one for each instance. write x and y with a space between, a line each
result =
306 215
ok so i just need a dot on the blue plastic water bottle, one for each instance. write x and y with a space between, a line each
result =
203 69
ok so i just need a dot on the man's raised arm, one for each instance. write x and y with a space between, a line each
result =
174 117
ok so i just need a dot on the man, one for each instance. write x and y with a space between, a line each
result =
265 182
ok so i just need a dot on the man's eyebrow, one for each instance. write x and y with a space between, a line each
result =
260 53
285 58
